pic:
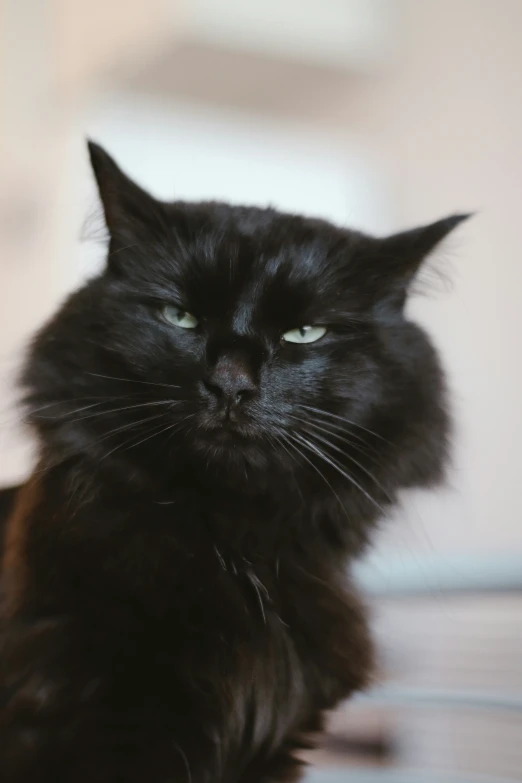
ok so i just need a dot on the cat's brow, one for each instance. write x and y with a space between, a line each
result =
163 291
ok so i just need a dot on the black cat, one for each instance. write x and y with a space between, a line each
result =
223 415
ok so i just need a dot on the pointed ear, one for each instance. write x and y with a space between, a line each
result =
131 214
398 258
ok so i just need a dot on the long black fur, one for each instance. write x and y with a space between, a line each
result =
7 499
178 603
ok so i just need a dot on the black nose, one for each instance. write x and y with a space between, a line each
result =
231 381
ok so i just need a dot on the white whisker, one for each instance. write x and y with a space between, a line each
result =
132 380
329 461
26 412
106 413
341 434
125 443
342 418
128 426
313 435
303 456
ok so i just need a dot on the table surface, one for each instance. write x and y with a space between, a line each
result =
396 776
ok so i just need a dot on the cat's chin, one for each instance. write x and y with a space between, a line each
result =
229 445
223 437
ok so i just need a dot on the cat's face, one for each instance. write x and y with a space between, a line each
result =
241 336
253 332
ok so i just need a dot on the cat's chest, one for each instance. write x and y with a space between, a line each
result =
229 645
239 617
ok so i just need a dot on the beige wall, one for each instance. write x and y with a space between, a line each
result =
446 124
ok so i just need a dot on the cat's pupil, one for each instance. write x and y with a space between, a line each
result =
303 330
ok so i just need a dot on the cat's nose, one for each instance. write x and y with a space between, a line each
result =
231 381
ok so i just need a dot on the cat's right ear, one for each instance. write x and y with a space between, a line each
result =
132 216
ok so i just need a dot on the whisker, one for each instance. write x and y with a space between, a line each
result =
279 442
128 426
66 414
330 461
129 440
352 459
174 427
118 410
132 380
303 456
344 452
180 426
60 402
154 434
341 434
25 412
345 428
348 421
134 424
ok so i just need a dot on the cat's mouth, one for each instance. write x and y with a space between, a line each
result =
222 429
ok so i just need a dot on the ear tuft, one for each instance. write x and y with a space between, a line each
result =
421 241
100 160
414 245
131 214
399 256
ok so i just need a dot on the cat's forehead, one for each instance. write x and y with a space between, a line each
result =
278 264
219 260
254 264
260 242
220 272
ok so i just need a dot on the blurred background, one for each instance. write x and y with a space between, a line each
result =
378 114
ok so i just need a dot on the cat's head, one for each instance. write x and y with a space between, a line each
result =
244 339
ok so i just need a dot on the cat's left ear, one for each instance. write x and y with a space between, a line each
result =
131 214
399 257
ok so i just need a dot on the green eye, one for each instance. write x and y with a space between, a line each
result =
180 318
305 334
